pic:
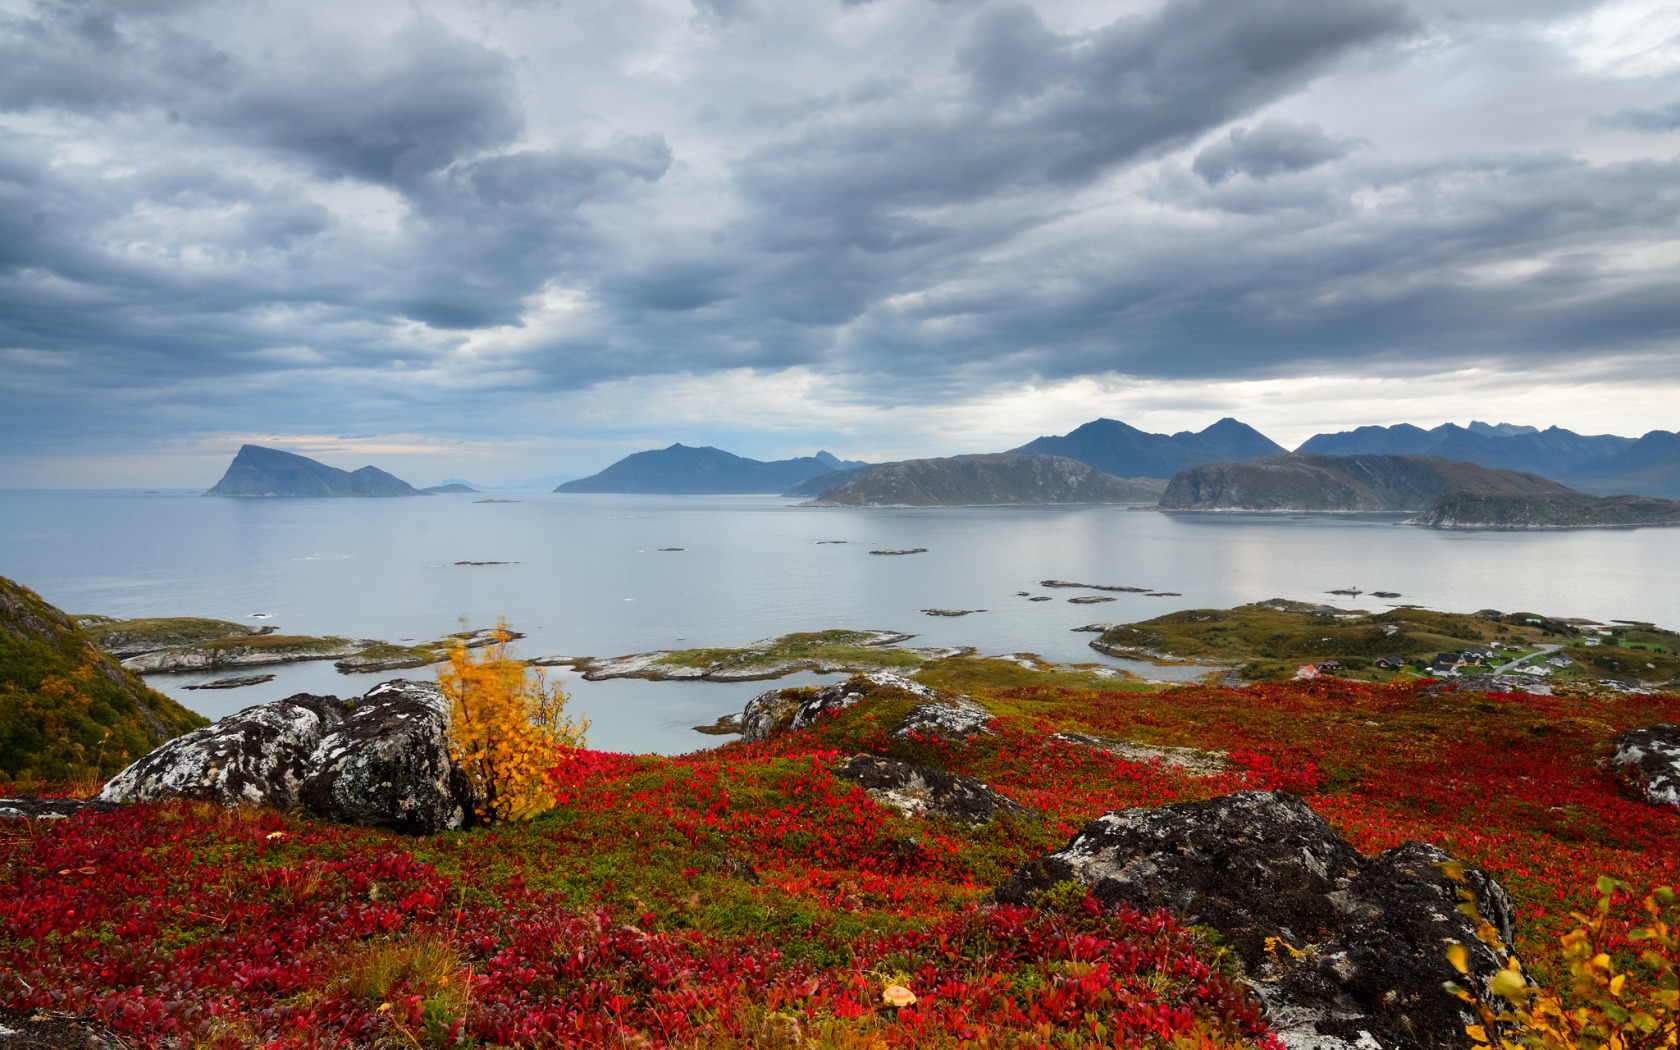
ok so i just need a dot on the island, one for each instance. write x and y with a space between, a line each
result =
1000 478
683 469
258 472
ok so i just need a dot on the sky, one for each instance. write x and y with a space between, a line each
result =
514 240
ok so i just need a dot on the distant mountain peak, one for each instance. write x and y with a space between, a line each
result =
1125 451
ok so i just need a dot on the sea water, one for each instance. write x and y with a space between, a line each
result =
597 575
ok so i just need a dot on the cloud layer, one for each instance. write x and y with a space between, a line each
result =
466 218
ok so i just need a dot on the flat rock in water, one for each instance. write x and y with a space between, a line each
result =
912 550
1091 599
918 790
951 612
259 755
388 764
1365 937
1648 761
234 683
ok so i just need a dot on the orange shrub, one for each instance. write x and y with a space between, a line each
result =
507 727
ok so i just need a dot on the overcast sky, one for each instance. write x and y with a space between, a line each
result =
507 239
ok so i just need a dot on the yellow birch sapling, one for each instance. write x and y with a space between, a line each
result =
507 727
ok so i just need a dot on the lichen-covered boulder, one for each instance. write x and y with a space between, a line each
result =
915 790
259 755
1346 951
1648 761
789 710
388 764
951 720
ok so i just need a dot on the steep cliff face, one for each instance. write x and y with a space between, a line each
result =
1001 478
258 471
66 708
1366 483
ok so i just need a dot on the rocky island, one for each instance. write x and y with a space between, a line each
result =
268 472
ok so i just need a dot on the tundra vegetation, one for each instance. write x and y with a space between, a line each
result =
749 896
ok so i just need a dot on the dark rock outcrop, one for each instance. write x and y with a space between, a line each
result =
259 755
49 809
48 1030
1648 761
388 764
916 790
1344 949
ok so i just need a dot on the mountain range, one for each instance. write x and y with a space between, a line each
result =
268 472
1127 452
1441 492
1604 464
688 470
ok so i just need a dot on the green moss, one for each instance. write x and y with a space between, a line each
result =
831 647
1270 640
162 632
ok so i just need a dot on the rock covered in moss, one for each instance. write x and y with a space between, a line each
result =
49 809
790 710
257 756
388 764
1648 760
1346 951
917 790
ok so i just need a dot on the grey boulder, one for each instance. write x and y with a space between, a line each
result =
916 790
259 755
1346 951
381 760
388 764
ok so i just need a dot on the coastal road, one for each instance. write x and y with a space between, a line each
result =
1544 651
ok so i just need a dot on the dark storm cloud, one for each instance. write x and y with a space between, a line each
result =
1273 147
248 210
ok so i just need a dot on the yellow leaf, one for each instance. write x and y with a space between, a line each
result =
1459 959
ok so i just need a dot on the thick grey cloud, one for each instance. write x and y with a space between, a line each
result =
253 214
1273 147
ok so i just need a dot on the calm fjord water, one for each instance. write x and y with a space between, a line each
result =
586 576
